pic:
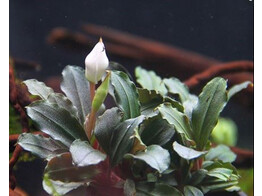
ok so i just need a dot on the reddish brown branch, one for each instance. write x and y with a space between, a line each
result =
245 158
13 98
220 70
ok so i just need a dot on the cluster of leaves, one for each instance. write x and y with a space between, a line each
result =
160 131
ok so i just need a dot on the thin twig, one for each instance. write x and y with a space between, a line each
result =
219 70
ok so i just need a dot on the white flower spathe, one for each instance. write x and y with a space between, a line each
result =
96 63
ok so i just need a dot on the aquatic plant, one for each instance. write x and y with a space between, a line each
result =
155 141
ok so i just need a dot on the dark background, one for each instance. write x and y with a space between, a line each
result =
222 29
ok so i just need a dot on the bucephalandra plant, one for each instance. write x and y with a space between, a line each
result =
155 141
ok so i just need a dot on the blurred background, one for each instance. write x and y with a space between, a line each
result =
215 31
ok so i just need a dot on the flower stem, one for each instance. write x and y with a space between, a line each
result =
92 116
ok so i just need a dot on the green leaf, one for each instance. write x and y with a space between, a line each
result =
84 155
155 156
197 177
63 102
189 105
129 188
149 80
45 148
177 119
156 189
101 93
125 94
121 141
175 86
220 152
38 88
237 88
187 153
192 191
56 122
221 173
57 188
61 168
215 184
118 67
105 126
156 130
205 116
151 99
76 87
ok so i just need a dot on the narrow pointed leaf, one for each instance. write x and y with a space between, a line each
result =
149 80
38 88
175 86
187 153
205 116
121 140
106 125
76 87
192 191
56 122
125 94
177 119
155 156
237 88
43 147
84 155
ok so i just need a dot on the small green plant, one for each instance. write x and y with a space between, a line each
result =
155 141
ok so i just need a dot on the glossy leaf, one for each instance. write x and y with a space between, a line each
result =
76 87
237 88
61 168
106 125
220 152
125 94
57 188
221 173
149 80
192 191
155 189
205 116
175 86
63 102
189 105
177 119
198 176
118 67
56 122
121 141
38 88
84 155
43 147
187 153
156 131
149 100
155 156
